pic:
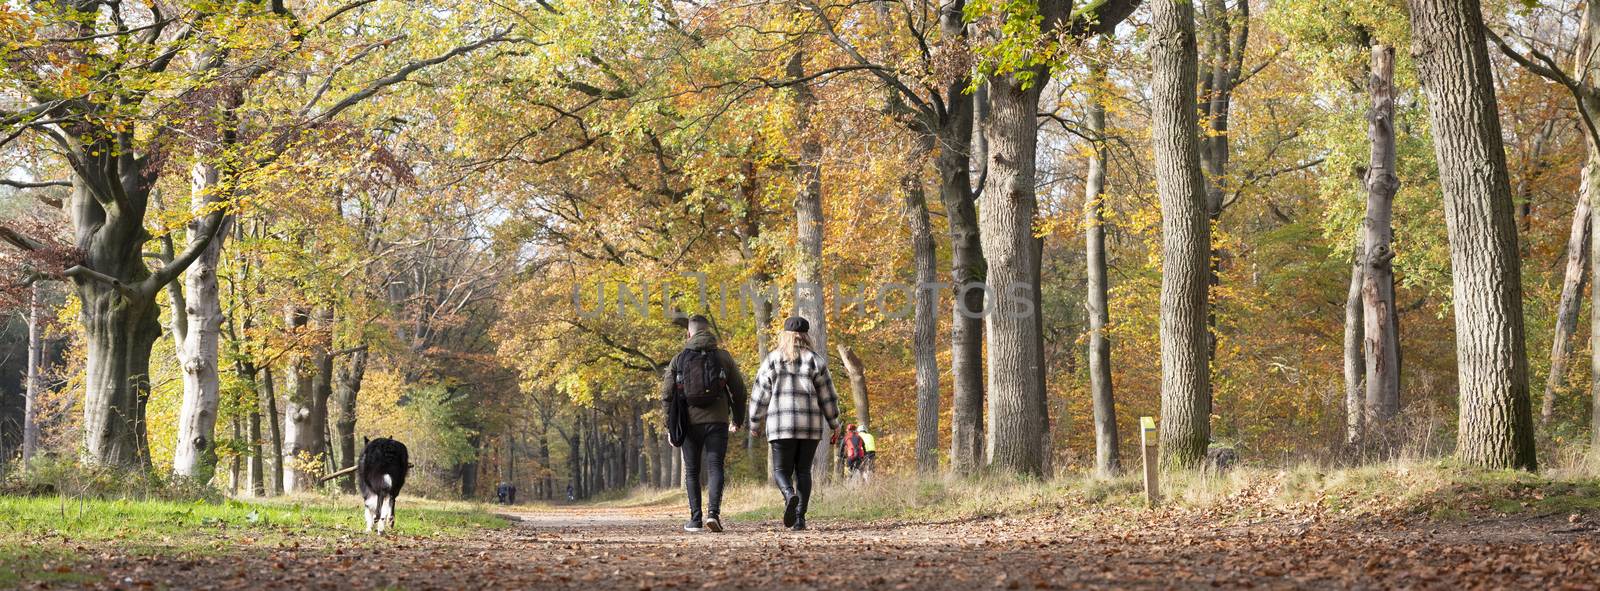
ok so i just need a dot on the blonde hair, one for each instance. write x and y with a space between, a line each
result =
790 344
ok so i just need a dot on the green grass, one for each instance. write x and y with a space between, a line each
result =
42 538
37 565
200 524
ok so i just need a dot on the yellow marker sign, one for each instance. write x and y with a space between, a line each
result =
1152 476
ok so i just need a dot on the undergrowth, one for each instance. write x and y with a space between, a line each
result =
1433 489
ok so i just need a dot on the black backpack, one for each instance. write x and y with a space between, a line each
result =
700 378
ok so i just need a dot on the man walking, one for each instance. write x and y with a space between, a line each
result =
704 380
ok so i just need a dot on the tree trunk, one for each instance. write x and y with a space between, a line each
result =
809 288
574 463
1006 212
35 386
1354 360
1578 239
1107 457
1572 284
858 386
547 482
197 324
350 375
302 422
954 162
1226 38
258 485
1496 424
1186 237
652 450
1381 329
968 271
275 420
925 327
119 334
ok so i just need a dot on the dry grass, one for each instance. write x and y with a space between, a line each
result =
1433 489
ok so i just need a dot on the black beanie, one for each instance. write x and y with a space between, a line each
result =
796 324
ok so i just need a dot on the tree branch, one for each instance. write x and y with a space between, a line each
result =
19 240
1551 71
83 273
403 74
882 73
170 271
34 184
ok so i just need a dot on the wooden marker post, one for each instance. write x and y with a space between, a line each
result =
1152 473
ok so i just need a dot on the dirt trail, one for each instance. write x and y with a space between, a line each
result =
587 548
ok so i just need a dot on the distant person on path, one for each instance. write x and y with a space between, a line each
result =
570 497
869 444
706 378
794 397
852 451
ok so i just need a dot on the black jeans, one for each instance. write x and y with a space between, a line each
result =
709 441
791 468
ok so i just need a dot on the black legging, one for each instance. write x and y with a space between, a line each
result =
791 468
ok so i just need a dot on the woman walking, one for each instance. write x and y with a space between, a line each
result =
794 397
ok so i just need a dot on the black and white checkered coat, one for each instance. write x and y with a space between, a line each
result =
795 400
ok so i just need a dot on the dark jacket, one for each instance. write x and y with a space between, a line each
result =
725 410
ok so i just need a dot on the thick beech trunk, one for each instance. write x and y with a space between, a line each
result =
1107 456
1186 237
119 334
1496 423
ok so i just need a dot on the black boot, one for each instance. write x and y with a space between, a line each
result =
799 522
791 500
791 510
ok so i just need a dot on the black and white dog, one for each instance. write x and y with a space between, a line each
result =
379 474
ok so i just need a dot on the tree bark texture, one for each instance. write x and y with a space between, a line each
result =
1572 284
1186 237
1355 371
1005 216
1381 329
925 326
303 421
195 455
954 162
1496 424
34 389
350 375
809 287
858 386
1107 456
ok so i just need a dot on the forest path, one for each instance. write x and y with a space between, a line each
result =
577 547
